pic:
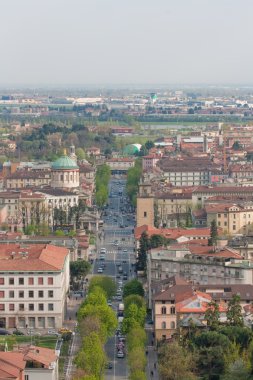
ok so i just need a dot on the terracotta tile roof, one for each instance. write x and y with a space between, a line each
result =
11 365
32 257
43 355
172 233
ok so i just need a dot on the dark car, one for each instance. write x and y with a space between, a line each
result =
4 332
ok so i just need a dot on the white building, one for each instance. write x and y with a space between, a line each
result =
65 173
34 282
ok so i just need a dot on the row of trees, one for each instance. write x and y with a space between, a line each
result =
97 322
133 327
133 179
103 175
222 352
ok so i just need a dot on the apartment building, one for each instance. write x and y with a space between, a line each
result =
177 304
27 178
233 218
202 193
173 207
34 207
186 172
199 264
34 283
120 165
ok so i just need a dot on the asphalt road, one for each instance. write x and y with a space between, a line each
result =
117 237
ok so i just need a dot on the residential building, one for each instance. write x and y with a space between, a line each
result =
200 194
198 263
120 165
233 218
27 178
34 283
186 172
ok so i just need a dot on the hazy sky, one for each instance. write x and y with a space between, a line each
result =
126 41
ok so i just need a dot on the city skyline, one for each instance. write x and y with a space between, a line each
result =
112 44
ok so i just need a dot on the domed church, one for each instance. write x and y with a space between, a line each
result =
65 173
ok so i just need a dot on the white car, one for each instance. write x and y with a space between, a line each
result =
100 270
120 355
53 332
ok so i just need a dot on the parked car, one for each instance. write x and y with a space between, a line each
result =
53 332
4 332
120 355
108 365
100 270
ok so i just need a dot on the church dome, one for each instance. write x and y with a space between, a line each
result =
64 163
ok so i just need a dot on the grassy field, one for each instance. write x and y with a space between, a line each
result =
41 341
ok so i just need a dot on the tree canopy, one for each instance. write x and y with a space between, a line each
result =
133 287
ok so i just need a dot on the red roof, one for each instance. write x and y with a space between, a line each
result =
172 233
32 257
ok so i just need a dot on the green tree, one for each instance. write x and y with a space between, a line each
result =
234 312
149 144
157 241
213 233
104 282
212 315
92 324
92 357
105 314
138 375
136 338
175 363
80 154
133 317
133 179
237 371
137 360
134 299
142 252
79 268
133 287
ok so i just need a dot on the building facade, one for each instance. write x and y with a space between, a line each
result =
34 283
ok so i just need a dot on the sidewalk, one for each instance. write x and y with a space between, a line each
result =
73 305
152 366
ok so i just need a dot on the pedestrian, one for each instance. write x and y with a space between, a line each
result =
146 352
151 373
154 365
152 343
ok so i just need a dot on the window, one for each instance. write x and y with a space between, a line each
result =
21 281
31 307
172 325
225 224
41 306
1 280
234 227
21 307
163 325
1 294
172 310
11 307
50 294
11 281
11 294
31 281
50 281
145 214
219 215
40 280
21 294
163 310
2 306
31 293
50 307
26 377
41 294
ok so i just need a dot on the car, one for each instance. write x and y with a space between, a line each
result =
120 283
120 355
109 303
118 275
64 330
125 250
125 277
119 298
34 333
124 261
100 270
4 332
53 332
108 365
